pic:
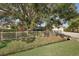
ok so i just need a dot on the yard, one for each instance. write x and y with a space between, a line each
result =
68 48
38 29
13 46
40 46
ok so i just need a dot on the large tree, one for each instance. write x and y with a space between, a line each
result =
29 13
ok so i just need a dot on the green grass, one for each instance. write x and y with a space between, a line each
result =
66 48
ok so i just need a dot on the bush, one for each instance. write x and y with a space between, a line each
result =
30 39
13 46
2 44
20 45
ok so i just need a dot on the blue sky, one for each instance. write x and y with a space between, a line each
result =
77 5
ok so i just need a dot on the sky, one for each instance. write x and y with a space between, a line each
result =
77 5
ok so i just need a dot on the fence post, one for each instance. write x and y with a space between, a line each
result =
16 35
1 35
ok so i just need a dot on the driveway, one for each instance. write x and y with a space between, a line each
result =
71 34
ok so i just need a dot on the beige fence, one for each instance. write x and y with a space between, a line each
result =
23 35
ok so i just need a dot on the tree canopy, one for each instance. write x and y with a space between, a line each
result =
30 13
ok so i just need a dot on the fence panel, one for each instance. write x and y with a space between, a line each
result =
23 35
8 35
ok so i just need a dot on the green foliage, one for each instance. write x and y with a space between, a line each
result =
66 48
2 44
74 26
30 39
20 45
66 11
30 13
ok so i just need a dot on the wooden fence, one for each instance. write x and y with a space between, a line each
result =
23 35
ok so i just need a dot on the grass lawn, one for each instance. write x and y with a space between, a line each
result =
67 48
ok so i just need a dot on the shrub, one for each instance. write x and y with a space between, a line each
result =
12 47
2 44
19 45
30 39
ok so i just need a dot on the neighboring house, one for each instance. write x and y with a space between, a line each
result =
7 23
41 24
58 29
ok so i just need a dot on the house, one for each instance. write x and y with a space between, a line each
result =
40 26
59 29
6 23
